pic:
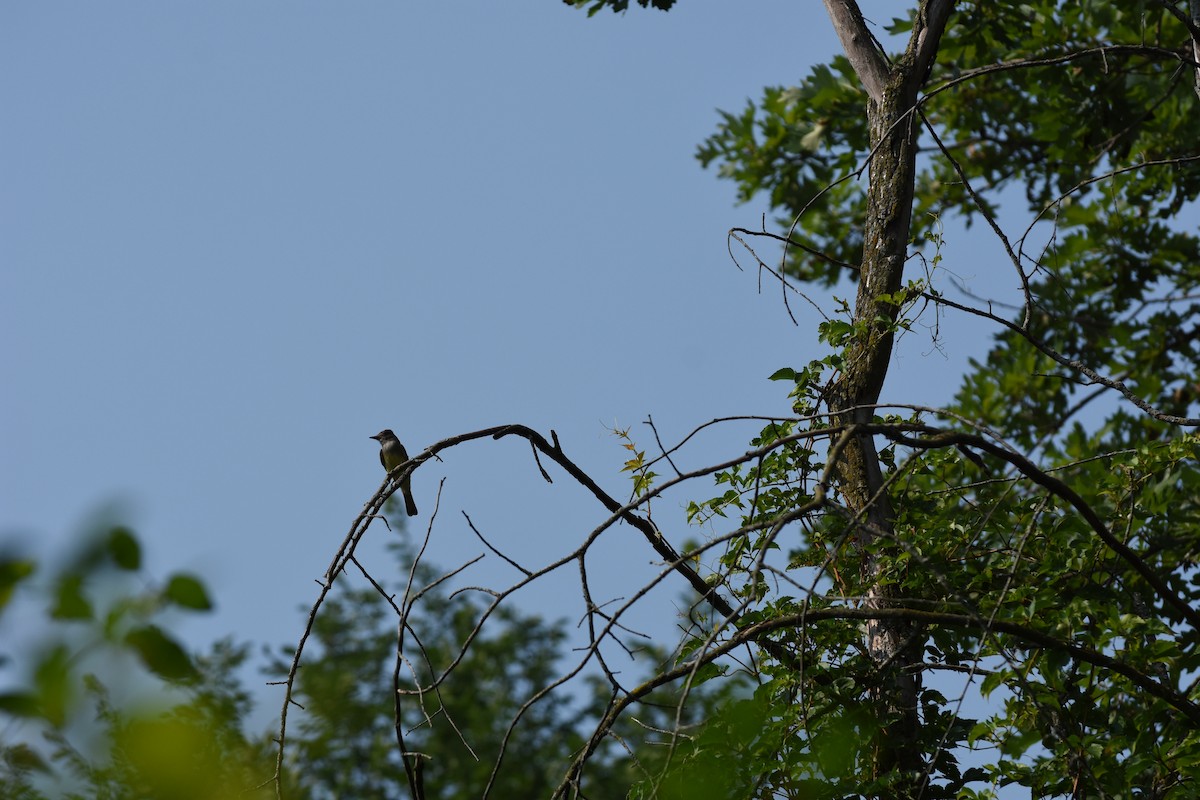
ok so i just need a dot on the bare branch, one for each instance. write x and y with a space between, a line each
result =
1027 63
488 544
995 226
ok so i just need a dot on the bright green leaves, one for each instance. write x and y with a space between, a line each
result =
810 383
836 332
848 328
638 467
716 506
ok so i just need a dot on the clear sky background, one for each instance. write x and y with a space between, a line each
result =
239 238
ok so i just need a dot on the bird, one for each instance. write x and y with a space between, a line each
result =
392 454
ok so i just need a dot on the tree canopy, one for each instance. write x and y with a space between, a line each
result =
1037 537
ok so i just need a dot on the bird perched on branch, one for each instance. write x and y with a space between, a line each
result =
392 455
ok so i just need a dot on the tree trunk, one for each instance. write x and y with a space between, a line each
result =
894 646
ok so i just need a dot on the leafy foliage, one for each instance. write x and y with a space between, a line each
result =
179 730
163 723
1044 527
477 721
347 747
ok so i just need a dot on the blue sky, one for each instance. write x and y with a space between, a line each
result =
240 238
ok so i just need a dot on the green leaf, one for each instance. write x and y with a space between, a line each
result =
1020 741
835 331
991 682
124 549
187 591
55 690
161 654
12 572
70 602
23 758
784 374
19 704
